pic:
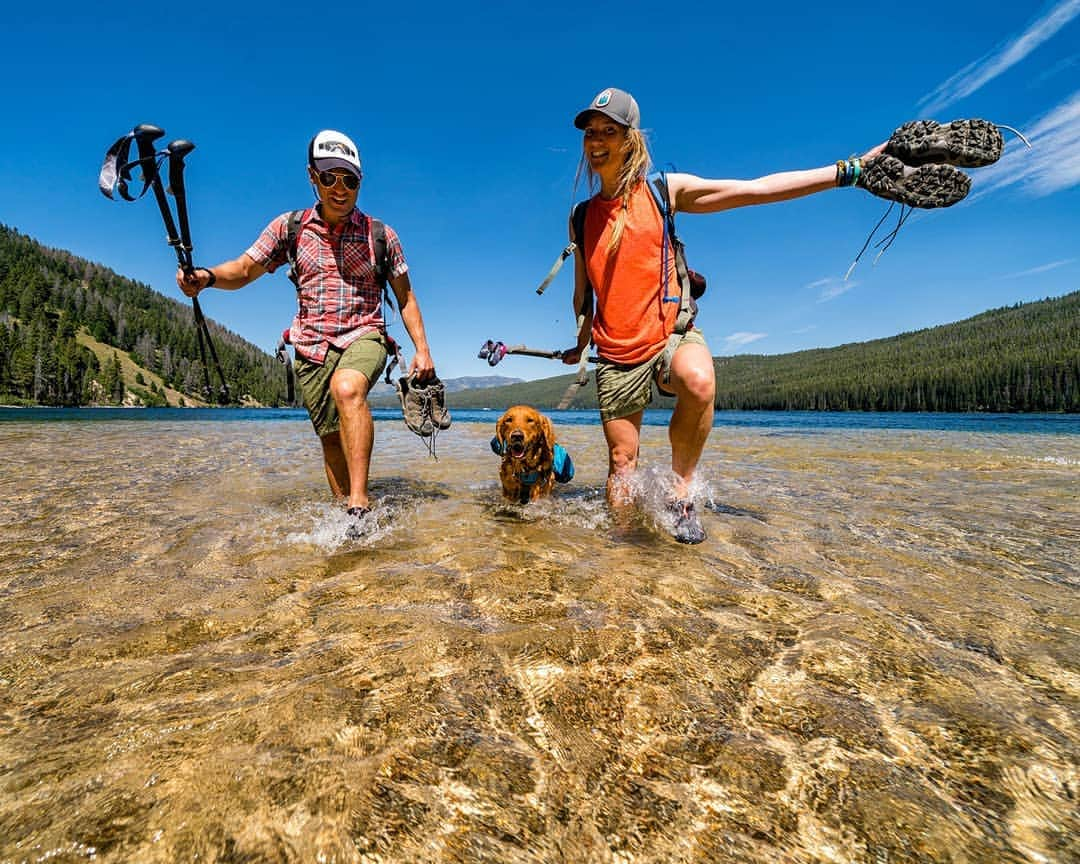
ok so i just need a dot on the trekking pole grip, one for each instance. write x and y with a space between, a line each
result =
177 151
148 131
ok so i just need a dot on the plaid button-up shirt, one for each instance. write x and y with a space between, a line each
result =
339 298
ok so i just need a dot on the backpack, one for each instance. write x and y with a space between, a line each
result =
377 232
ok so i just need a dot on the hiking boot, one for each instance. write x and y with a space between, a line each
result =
688 528
968 143
436 399
357 528
415 407
926 187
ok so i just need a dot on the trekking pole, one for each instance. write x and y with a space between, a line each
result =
177 150
494 352
116 173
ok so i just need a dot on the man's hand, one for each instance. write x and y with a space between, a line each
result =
422 366
192 283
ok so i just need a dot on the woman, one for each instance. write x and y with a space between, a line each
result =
618 261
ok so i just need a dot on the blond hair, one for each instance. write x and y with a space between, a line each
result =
635 167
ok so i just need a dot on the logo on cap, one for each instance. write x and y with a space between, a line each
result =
336 147
603 99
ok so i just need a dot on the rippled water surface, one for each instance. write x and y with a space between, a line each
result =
874 657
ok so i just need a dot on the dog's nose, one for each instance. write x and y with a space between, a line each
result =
517 435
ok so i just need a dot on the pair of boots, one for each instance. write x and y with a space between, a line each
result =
918 167
423 404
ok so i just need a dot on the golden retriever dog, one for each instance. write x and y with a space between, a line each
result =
525 439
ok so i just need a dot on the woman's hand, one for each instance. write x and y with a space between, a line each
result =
874 151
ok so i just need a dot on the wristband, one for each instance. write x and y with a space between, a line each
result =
210 282
848 171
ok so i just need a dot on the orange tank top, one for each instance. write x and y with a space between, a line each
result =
632 323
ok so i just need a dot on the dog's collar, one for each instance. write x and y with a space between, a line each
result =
528 479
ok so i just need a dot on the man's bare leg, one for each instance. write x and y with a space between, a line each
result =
349 390
337 469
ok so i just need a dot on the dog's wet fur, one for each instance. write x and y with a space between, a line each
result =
528 441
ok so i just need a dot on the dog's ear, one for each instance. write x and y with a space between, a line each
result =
549 432
500 427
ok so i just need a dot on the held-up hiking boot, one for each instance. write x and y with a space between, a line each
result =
688 528
414 407
967 143
435 393
926 187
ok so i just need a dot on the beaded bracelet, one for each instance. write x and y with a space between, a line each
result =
848 171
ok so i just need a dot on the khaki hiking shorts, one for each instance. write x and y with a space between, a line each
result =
367 355
625 390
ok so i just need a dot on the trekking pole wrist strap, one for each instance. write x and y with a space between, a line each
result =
211 279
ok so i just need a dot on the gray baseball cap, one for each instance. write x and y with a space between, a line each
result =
619 105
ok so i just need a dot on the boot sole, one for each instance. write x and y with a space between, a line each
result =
927 187
965 143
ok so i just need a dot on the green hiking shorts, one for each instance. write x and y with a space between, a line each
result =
625 390
367 355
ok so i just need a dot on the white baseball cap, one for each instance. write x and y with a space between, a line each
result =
330 149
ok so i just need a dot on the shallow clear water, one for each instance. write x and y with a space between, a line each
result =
873 658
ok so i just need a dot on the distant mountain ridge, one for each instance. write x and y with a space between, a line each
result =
451 385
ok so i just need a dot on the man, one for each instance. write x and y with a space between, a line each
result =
339 333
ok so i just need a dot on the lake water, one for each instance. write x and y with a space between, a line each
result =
873 658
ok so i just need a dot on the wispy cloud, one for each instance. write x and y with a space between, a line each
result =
1053 162
1063 65
1053 265
738 340
986 68
830 288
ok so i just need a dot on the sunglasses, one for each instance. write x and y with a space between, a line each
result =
328 179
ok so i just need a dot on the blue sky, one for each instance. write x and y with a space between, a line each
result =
463 115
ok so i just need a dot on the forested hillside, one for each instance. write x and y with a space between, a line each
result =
55 308
1019 358
75 333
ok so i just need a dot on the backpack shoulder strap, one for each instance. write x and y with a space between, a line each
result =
581 209
377 229
377 233
657 183
577 224
378 241
292 235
